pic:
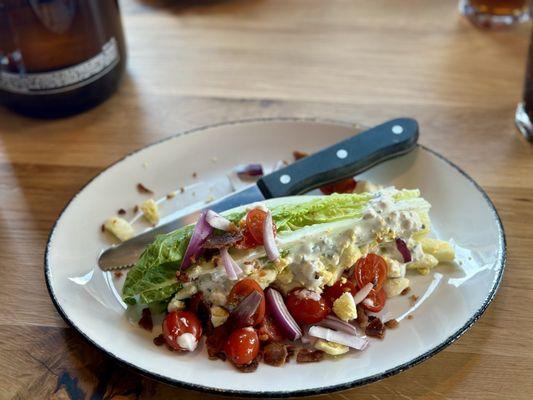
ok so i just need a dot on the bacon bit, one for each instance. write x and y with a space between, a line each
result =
146 320
216 340
121 211
143 189
409 316
159 340
182 277
117 274
171 195
223 240
375 328
413 298
392 323
248 367
182 189
275 354
194 174
362 317
308 356
102 228
343 186
136 209
297 154
405 291
291 351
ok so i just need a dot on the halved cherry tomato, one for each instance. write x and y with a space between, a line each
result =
255 220
371 268
177 323
307 307
377 300
332 293
239 292
248 241
242 346
268 331
344 186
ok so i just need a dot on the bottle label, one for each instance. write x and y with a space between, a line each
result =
63 80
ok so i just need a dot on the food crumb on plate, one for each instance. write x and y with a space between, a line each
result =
413 298
297 154
194 175
143 189
171 195
405 291
410 316
117 274
392 323
121 211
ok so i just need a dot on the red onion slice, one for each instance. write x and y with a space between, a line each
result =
346 339
362 293
200 233
269 241
244 312
219 222
339 325
231 267
404 250
249 170
281 315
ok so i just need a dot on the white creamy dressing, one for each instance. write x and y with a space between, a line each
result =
316 254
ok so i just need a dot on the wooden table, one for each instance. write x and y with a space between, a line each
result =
190 65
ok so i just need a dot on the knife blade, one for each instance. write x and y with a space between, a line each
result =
341 160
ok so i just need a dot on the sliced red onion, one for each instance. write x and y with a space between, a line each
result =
281 315
362 293
231 267
243 313
249 170
404 250
219 222
269 241
350 340
333 322
200 233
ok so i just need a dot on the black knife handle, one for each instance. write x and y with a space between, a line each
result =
342 160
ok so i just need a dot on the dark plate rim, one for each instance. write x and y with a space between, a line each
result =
501 260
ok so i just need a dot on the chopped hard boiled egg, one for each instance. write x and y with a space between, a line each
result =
119 227
331 348
150 211
395 286
218 315
425 263
344 307
440 249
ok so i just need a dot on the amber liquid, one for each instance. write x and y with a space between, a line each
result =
59 57
499 7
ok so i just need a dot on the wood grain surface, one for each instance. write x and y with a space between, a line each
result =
193 63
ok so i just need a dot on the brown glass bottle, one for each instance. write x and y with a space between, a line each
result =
59 57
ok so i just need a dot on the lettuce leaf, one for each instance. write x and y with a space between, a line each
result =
153 278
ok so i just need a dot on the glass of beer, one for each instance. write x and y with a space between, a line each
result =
495 13
524 111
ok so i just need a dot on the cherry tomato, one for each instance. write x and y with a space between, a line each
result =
344 186
378 299
242 346
371 268
255 220
332 293
177 323
307 307
269 331
248 241
239 292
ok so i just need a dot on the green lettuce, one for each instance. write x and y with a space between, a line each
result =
153 277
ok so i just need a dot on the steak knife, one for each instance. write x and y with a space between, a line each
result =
341 160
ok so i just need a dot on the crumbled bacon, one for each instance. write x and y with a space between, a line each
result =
342 186
223 240
117 274
121 211
248 367
159 340
405 291
413 298
102 227
216 340
297 154
391 324
275 354
307 356
362 317
143 189
146 320
375 328
291 351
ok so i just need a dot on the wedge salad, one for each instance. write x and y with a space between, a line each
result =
306 275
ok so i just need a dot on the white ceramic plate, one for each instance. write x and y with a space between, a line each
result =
451 298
